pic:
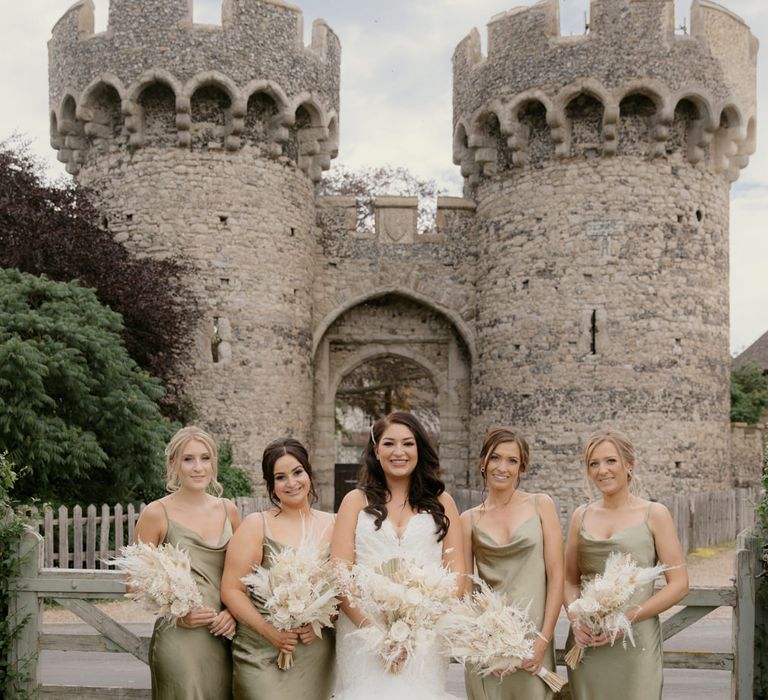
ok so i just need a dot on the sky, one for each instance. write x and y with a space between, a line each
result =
396 101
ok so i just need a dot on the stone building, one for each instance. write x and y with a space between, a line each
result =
582 280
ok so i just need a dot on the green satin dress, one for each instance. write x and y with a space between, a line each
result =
193 664
256 675
517 569
635 673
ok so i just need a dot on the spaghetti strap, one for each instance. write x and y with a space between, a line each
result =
226 512
536 504
583 515
647 513
266 524
167 519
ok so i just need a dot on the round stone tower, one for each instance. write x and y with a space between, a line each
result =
601 166
203 142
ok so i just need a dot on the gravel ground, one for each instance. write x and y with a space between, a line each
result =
706 568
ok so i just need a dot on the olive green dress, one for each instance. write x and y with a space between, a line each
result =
256 675
193 664
517 569
636 671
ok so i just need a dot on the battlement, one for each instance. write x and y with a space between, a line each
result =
396 217
630 50
133 16
250 79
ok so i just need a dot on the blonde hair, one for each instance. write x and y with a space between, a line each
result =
623 446
175 449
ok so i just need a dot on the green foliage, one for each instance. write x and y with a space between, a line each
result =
12 678
75 410
235 480
749 394
55 230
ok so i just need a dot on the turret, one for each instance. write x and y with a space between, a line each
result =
601 165
203 142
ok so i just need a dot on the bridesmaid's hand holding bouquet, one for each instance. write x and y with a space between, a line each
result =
599 614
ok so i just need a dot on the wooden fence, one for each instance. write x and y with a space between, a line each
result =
75 590
87 540
703 519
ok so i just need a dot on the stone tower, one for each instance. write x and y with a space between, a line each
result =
204 142
601 166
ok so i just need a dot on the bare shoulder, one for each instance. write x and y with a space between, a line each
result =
466 516
658 514
446 500
253 523
354 500
578 513
543 500
231 508
153 513
233 513
325 518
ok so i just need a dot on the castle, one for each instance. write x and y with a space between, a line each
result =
582 280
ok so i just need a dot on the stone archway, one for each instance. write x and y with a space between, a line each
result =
409 334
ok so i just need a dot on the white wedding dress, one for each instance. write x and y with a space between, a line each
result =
360 674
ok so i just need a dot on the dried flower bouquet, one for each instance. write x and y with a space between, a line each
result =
298 589
493 636
601 608
160 579
403 602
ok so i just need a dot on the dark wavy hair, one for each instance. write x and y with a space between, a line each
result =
272 452
425 485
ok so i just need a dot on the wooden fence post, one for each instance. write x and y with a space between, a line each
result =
760 680
744 618
25 608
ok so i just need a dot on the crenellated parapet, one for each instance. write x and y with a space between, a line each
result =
156 79
630 86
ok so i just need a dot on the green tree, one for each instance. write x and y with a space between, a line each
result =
77 414
749 393
54 229
234 479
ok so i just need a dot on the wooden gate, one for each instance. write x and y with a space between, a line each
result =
75 589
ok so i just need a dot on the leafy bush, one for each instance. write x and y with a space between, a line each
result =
13 678
76 412
235 480
749 394
55 230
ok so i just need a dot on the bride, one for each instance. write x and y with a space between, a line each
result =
399 508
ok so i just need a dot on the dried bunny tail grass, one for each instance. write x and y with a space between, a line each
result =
160 579
491 635
300 588
600 607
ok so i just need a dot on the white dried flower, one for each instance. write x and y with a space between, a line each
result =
298 589
160 579
403 600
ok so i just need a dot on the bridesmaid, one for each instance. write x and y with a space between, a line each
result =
621 521
192 661
257 644
514 540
